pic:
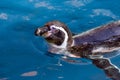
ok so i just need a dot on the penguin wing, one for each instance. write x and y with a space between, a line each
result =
100 33
110 69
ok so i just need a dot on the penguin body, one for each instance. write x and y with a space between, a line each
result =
92 44
100 40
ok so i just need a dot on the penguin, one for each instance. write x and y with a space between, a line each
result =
91 44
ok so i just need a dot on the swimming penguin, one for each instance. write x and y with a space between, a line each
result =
92 44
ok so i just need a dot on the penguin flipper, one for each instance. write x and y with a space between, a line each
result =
110 70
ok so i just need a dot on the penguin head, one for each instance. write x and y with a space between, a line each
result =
55 33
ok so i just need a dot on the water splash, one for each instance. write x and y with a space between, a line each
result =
104 12
44 4
78 3
3 16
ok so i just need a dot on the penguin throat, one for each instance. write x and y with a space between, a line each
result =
65 41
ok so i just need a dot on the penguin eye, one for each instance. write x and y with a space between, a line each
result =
52 28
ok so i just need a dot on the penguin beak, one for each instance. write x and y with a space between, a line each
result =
42 32
37 32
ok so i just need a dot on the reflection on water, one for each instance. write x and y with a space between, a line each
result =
31 73
22 54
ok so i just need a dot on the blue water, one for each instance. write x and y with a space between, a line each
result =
22 54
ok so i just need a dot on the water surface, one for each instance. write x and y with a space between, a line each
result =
22 54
